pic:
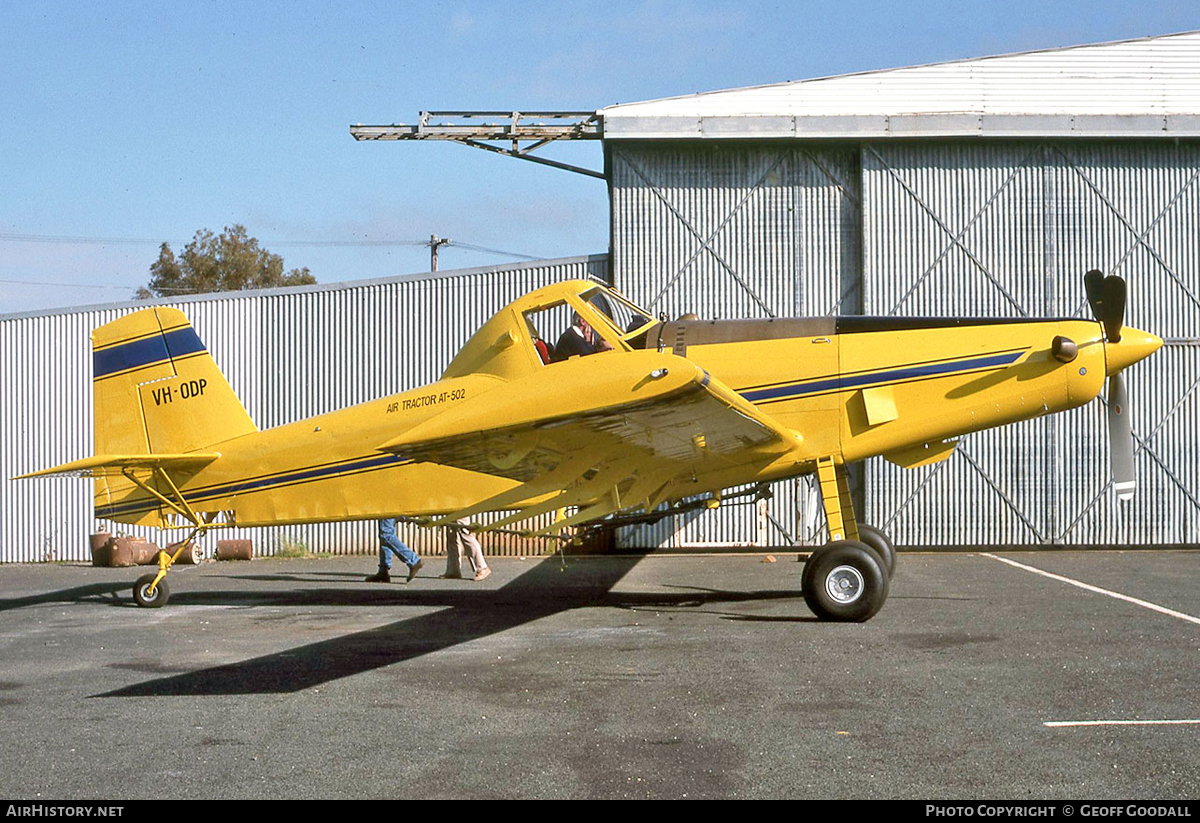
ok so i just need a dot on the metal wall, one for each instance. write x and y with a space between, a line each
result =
737 230
288 354
756 228
729 230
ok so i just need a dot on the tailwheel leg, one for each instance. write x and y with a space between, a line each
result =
847 579
150 591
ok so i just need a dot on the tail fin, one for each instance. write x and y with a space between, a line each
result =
157 390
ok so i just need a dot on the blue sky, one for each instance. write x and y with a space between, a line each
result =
124 121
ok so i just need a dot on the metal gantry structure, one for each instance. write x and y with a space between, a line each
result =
513 133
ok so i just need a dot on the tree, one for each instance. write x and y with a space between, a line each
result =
229 262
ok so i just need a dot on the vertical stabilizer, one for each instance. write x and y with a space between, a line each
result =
157 390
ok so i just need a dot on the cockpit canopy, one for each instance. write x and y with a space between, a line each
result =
521 336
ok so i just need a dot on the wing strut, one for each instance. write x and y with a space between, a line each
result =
600 486
562 474
179 504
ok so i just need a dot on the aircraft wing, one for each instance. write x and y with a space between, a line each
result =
606 433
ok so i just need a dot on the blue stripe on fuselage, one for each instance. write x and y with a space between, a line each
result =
280 480
843 382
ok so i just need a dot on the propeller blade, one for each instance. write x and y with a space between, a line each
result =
1114 307
1106 296
1120 438
1093 285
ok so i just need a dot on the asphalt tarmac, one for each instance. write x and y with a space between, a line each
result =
614 677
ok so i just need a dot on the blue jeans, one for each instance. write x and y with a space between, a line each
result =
390 544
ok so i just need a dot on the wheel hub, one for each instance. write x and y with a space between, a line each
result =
845 584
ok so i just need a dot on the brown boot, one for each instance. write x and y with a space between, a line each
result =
413 569
380 576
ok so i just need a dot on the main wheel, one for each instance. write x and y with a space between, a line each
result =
881 543
845 581
810 566
147 599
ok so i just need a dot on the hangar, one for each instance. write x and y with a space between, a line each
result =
975 187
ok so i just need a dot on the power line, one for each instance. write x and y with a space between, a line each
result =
68 240
91 240
145 241
493 251
87 286
61 239
70 285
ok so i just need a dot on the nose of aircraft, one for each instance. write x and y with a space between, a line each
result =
1133 346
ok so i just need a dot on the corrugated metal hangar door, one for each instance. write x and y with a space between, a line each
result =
941 228
1009 230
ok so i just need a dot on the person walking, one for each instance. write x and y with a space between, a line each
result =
390 544
460 540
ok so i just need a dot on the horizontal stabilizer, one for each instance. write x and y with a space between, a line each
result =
106 465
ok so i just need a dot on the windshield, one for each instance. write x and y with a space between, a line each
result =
627 320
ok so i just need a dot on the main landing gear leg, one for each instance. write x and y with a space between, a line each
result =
848 578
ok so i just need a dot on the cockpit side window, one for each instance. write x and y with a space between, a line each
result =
542 325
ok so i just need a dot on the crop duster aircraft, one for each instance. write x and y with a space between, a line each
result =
667 412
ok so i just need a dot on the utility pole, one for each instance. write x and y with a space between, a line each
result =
434 242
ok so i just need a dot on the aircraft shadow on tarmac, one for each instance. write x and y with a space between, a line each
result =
464 616
109 592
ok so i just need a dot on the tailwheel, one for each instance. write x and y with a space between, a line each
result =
149 595
882 544
845 580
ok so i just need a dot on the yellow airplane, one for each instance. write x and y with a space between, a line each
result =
659 414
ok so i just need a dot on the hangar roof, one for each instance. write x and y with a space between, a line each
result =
1148 87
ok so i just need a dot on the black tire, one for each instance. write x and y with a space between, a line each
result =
810 565
881 543
845 581
143 598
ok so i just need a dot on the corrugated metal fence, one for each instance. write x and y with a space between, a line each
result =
288 354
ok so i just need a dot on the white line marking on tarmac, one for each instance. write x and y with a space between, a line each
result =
1097 590
1057 724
